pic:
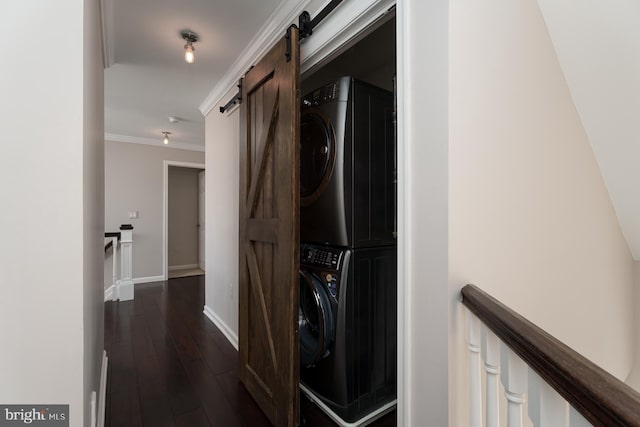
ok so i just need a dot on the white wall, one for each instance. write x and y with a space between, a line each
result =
93 204
423 81
597 44
531 221
50 253
133 182
222 162
183 216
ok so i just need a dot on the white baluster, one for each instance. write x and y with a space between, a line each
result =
553 408
114 245
533 402
125 284
514 379
473 341
576 419
546 407
491 355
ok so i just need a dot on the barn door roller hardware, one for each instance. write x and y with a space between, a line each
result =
235 100
287 47
306 24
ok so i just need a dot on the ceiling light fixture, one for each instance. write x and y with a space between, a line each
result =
166 134
190 37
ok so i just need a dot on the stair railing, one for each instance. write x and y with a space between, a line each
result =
561 387
112 243
121 288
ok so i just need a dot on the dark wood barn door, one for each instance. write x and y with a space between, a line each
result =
269 248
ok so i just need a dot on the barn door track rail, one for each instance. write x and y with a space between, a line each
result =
306 26
235 100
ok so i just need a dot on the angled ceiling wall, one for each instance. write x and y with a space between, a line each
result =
598 47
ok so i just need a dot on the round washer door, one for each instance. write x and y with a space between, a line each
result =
317 155
315 320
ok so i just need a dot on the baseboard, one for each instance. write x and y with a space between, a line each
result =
183 267
108 294
138 280
224 328
113 293
124 290
102 400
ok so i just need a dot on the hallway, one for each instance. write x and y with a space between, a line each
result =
170 366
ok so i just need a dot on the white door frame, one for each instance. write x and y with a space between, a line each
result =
165 209
344 27
202 220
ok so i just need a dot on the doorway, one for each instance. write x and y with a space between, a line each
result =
201 220
183 216
366 113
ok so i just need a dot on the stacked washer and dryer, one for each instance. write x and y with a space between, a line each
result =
348 301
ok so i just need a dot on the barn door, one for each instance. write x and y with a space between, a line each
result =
269 210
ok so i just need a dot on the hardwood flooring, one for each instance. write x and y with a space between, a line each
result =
170 366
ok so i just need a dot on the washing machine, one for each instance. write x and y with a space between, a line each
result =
347 324
347 176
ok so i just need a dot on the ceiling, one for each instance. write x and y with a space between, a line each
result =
148 79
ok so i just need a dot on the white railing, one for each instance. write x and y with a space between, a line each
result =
121 287
110 261
522 376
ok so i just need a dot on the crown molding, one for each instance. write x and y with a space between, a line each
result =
286 13
154 142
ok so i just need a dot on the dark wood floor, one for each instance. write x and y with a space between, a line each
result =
170 366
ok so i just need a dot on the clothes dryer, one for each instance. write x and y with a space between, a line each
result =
347 176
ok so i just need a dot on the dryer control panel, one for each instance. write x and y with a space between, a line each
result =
321 257
336 91
321 95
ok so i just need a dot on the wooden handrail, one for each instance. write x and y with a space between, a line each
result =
601 398
109 244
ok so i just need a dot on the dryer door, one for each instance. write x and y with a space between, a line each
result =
317 155
315 319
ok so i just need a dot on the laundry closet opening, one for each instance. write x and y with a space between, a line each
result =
348 230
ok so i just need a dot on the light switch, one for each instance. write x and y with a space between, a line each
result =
133 215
